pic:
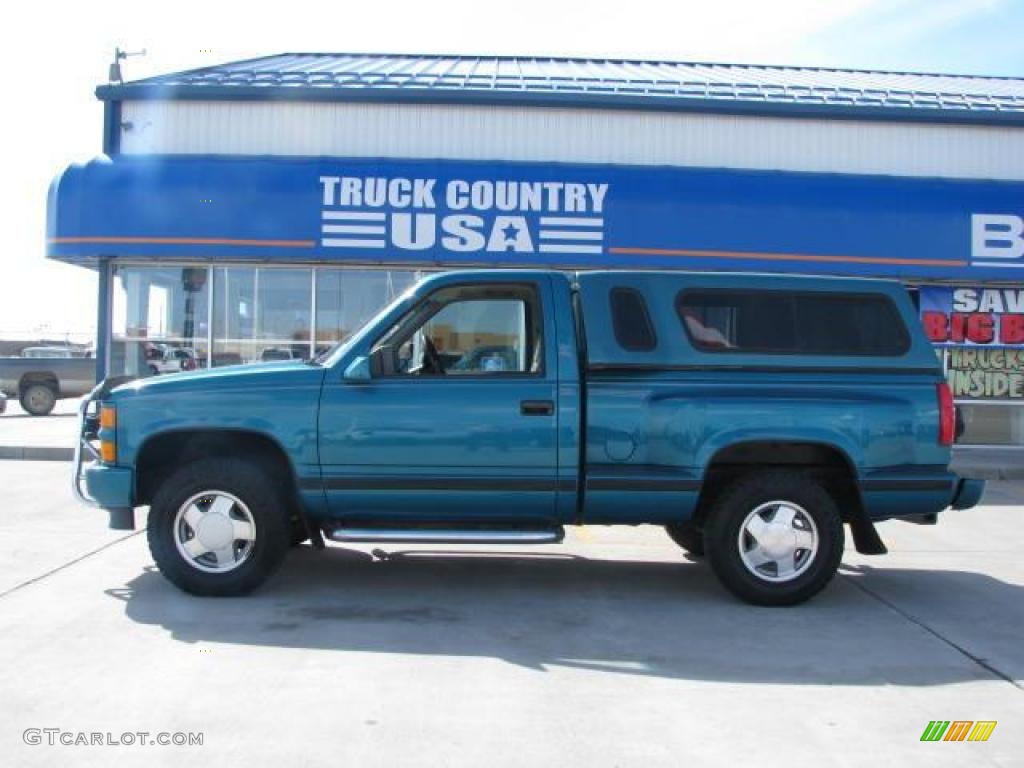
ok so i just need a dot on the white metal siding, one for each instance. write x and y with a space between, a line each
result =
572 135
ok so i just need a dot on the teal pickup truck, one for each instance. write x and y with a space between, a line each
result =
750 415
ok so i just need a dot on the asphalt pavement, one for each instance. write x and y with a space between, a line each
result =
614 649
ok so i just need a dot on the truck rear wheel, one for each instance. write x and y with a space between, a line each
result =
688 536
217 527
774 537
38 399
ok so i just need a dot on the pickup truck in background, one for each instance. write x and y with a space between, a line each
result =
47 352
752 416
39 382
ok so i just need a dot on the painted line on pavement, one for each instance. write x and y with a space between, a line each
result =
983 663
68 564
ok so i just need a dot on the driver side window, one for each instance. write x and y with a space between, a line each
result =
472 331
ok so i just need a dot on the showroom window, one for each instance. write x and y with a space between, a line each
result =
261 314
978 332
159 319
163 321
988 385
347 298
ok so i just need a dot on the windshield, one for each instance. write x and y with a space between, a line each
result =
331 354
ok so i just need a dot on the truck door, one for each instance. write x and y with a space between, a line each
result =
458 419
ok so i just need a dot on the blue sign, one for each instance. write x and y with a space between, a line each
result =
439 212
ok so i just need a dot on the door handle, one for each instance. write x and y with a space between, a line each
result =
536 407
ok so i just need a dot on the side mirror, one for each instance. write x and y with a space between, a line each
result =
358 371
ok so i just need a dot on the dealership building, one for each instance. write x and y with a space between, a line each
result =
266 208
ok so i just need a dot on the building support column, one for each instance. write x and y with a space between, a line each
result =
103 319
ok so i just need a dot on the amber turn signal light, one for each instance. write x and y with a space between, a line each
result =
108 451
108 417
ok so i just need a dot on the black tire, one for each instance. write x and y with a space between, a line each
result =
688 536
730 511
250 484
38 399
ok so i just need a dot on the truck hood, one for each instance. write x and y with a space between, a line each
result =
253 375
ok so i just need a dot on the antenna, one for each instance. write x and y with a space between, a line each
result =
114 75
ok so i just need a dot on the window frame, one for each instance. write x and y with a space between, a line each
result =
394 336
905 340
645 311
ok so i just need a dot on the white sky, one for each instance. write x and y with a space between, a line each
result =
53 54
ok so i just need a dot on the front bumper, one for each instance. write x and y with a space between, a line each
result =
106 486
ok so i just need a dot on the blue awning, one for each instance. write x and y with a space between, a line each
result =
450 213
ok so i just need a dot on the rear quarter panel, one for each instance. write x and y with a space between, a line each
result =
664 414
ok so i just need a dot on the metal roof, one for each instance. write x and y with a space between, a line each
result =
601 83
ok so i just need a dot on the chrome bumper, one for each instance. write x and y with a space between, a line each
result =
84 449
114 482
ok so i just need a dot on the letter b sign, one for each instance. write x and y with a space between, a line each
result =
996 236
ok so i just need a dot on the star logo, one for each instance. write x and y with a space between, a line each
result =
511 232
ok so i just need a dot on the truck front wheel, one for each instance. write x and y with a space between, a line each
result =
774 537
217 527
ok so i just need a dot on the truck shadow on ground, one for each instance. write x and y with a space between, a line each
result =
547 610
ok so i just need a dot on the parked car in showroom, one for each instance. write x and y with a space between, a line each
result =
39 382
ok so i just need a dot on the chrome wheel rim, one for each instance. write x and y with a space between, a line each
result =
214 532
778 541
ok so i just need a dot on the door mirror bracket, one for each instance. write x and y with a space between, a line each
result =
358 371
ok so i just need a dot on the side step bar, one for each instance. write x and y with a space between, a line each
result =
449 535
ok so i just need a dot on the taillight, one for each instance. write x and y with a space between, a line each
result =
947 414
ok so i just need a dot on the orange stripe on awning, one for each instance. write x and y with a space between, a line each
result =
759 256
187 241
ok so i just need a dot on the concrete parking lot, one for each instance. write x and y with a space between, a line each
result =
38 437
613 650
